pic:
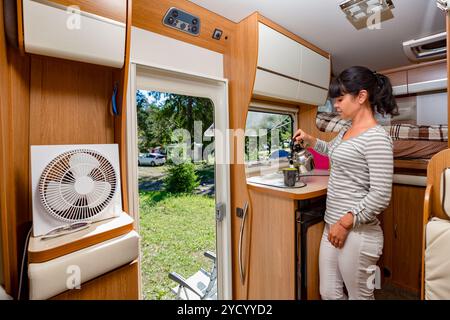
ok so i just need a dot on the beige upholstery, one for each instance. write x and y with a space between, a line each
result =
445 191
437 260
436 235
52 277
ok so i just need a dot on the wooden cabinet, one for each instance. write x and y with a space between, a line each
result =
418 78
427 78
119 284
111 9
273 247
399 81
289 70
272 264
312 247
402 227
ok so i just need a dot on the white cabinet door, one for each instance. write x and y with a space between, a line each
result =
438 84
47 31
271 85
311 95
278 53
315 68
399 90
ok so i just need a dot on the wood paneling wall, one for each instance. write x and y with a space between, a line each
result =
307 122
240 69
48 101
120 123
4 101
15 211
70 102
148 15
119 284
111 9
44 100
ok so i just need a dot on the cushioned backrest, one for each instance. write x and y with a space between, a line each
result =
445 191
437 262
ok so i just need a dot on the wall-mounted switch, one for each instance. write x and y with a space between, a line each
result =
217 34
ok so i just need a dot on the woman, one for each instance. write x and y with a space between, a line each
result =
359 186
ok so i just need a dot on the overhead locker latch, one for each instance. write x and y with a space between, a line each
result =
220 211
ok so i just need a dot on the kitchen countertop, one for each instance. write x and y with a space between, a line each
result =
315 186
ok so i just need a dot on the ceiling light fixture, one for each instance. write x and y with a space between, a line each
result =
443 5
356 10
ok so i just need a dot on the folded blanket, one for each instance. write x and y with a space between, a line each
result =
414 132
330 122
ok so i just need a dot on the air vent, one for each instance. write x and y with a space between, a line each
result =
433 47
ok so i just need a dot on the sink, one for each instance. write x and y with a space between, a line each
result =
277 179
273 180
271 177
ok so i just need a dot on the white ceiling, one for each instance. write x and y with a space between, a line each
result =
322 23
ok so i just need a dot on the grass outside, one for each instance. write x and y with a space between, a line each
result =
151 178
175 231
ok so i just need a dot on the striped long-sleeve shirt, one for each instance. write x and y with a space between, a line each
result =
361 175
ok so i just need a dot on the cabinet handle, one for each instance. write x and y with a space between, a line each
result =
395 231
241 234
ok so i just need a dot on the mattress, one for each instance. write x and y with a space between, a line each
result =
417 149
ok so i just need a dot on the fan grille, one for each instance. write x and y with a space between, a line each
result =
77 185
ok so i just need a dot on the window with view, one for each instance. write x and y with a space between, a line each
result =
267 137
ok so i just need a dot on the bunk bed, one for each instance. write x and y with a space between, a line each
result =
417 143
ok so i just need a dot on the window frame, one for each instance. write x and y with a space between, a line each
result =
263 107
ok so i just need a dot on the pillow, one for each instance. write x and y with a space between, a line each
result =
413 132
445 191
320 161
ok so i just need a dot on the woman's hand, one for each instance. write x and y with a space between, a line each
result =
337 235
302 135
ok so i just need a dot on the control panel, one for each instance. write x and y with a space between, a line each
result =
183 21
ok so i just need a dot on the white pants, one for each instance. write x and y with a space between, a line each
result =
353 265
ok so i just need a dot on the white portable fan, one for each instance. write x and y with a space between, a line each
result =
74 183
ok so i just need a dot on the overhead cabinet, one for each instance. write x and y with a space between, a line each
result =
314 69
53 28
288 70
278 53
419 78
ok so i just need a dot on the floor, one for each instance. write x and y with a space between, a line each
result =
390 292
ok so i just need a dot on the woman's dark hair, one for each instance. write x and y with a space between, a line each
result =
378 86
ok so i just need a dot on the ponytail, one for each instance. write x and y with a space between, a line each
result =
383 98
379 88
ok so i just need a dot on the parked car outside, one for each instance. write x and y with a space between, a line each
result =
151 159
278 154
